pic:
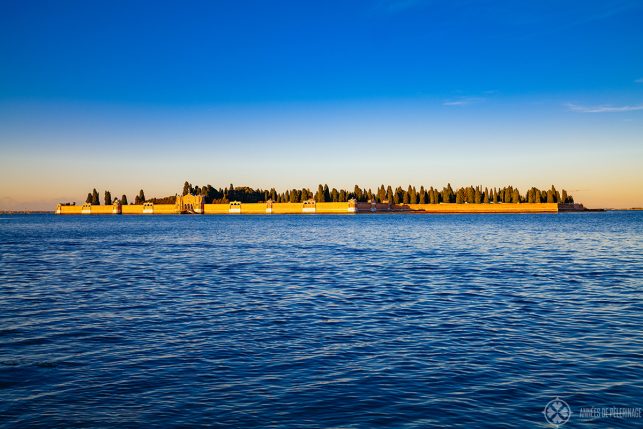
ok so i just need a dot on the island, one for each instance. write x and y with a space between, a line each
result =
246 200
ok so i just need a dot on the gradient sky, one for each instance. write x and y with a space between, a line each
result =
127 95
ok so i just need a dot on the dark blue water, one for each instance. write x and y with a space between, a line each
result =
319 321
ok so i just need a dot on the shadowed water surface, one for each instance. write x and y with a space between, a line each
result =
319 321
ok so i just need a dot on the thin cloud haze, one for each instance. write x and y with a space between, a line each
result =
603 108
464 101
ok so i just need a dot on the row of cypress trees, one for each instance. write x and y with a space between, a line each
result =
399 195
93 198
410 195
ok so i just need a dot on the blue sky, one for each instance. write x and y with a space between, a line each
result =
124 95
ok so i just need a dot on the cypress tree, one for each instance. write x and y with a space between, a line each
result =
95 198
389 195
459 196
445 195
470 195
381 194
319 196
108 198
405 197
358 193
515 196
451 193
124 200
89 197
550 197
141 196
334 195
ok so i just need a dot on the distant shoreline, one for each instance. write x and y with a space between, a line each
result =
28 212
5 212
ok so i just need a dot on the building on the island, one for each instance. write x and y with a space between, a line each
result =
189 203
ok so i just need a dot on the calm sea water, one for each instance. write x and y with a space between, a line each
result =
366 321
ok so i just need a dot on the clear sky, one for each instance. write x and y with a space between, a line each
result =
126 95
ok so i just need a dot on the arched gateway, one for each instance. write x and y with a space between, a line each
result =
189 204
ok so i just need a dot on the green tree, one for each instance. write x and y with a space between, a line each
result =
305 195
389 195
358 193
334 195
470 195
515 196
319 196
406 197
326 193
124 200
381 194
141 196
95 198
89 198
563 196
459 196
108 198
550 197
448 196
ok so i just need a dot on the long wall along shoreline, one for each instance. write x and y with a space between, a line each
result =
194 204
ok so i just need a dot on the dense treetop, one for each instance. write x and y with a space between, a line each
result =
383 194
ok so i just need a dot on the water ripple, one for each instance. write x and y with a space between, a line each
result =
318 321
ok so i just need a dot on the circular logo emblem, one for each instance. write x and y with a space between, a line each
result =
557 412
